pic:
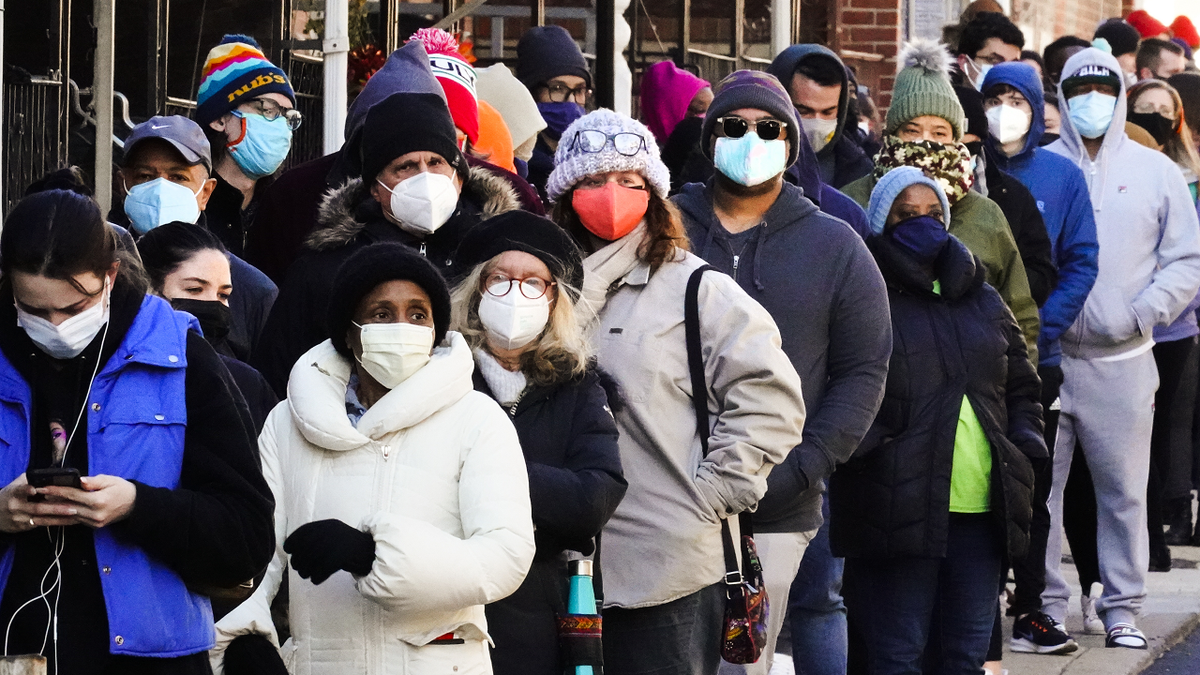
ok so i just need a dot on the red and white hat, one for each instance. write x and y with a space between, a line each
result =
456 76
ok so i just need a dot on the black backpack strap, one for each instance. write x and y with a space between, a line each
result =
691 325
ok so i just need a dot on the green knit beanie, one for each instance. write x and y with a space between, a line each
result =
923 88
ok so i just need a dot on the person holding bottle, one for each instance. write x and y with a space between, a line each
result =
516 307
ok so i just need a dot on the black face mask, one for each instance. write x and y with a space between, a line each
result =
975 148
214 317
1047 139
1161 128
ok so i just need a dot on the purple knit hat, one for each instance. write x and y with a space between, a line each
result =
752 89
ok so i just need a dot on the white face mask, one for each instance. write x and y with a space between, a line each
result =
69 338
1007 124
423 203
514 320
819 132
392 352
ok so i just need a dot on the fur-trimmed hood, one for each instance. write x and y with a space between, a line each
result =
346 210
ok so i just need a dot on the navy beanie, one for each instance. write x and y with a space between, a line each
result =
545 52
1122 37
376 264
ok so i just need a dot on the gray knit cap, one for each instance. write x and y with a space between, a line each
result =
752 89
923 88
572 164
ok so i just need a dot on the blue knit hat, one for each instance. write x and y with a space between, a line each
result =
235 72
889 187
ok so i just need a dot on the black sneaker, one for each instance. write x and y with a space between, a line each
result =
1037 633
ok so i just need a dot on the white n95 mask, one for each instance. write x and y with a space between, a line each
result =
422 203
513 320
392 352
69 338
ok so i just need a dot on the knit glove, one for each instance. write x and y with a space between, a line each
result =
253 655
319 549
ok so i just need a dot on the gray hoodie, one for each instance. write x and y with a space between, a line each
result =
1147 229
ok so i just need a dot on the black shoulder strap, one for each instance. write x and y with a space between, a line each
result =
691 325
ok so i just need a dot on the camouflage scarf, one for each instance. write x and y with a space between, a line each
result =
949 165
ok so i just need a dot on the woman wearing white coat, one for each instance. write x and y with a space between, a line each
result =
387 464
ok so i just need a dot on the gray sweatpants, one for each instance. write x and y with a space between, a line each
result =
1108 406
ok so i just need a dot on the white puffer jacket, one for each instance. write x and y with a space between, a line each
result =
434 471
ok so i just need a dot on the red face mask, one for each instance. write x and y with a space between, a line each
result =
611 211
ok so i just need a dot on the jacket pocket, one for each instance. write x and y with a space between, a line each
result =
1107 317
466 658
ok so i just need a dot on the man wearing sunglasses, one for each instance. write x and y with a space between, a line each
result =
551 66
815 276
247 108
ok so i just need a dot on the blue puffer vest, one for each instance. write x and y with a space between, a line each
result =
136 418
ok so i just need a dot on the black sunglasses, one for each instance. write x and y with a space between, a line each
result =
736 127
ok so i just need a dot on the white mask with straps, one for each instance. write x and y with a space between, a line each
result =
392 352
1007 124
69 338
422 203
513 321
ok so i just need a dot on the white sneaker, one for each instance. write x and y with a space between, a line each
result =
1092 625
782 665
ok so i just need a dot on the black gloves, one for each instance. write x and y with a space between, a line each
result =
253 655
319 549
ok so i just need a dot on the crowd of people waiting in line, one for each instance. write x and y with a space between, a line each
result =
360 417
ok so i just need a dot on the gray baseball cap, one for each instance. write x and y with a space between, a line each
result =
185 135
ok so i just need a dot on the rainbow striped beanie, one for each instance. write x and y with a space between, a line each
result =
236 71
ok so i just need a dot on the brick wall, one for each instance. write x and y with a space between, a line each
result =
1043 22
869 27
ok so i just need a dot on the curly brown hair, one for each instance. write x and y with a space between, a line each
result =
665 235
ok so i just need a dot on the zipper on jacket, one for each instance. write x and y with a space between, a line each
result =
736 258
422 249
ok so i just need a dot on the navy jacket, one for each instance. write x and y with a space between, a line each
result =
893 497
818 281
1061 194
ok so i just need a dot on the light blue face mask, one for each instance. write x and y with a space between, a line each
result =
159 202
1091 113
263 146
749 160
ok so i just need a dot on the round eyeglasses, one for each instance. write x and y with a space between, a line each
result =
273 111
626 143
501 285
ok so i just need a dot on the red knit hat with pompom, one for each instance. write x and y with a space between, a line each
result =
1185 30
456 76
1146 25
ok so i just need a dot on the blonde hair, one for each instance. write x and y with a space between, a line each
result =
560 353
1180 146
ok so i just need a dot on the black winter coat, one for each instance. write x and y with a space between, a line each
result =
569 439
893 497
1028 229
351 219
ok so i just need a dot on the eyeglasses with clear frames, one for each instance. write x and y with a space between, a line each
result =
273 111
626 142
501 285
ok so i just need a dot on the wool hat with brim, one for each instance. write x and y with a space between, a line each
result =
404 123
751 89
522 231
1091 74
376 264
888 188
572 163
546 52
237 71
923 88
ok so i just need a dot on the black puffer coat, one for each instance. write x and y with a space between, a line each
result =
893 497
569 440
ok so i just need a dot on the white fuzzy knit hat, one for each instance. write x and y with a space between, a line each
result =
571 163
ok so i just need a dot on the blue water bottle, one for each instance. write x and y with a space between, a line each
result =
581 600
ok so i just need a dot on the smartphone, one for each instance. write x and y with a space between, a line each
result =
63 477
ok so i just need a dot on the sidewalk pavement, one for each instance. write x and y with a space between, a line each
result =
1171 612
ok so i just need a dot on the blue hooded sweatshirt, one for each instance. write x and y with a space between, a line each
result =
1062 196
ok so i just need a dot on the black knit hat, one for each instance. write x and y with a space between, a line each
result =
545 52
522 231
972 105
372 266
404 123
1122 37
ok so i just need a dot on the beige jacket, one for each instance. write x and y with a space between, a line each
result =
664 541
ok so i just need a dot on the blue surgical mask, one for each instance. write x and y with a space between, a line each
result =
750 160
263 146
983 71
1092 113
559 116
159 202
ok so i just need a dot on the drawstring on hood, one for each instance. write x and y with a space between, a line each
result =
1070 143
